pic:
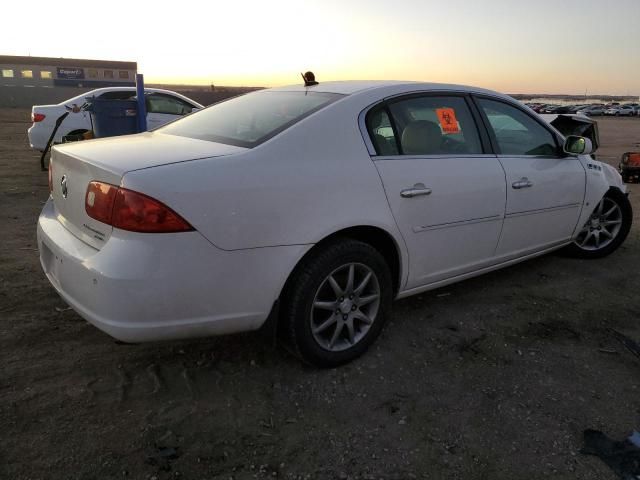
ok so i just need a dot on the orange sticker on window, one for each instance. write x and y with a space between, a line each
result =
448 122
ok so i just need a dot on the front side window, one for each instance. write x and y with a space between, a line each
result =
432 125
248 120
159 103
516 132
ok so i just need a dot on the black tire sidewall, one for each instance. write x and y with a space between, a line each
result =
302 289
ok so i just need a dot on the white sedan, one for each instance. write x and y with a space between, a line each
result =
316 206
163 106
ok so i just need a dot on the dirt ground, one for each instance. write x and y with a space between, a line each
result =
492 378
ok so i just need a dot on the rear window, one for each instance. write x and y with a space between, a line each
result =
251 119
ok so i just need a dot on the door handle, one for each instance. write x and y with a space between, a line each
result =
417 190
524 182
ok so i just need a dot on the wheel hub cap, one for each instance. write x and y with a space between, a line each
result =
345 307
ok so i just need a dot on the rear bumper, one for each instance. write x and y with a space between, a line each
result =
37 138
145 287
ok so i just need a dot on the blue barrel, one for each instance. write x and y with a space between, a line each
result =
113 117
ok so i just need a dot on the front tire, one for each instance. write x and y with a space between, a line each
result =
336 303
605 230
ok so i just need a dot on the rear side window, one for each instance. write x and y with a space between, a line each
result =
248 120
381 132
427 125
160 103
119 95
516 132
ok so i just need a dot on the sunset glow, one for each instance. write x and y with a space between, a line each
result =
508 45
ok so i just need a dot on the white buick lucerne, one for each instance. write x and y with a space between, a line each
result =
316 206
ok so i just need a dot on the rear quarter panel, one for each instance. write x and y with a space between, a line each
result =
302 185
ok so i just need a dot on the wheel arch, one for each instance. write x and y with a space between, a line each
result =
77 131
380 239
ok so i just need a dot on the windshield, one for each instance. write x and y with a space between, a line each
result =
248 120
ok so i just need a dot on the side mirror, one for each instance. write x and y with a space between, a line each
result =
575 145
194 109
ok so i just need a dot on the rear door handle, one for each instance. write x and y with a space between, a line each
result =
524 182
417 190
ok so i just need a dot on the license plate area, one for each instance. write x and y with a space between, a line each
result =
49 261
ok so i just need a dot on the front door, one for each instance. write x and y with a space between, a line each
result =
447 195
545 189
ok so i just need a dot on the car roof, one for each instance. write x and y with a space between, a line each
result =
124 89
351 87
98 91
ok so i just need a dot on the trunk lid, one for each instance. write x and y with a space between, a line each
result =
50 112
123 154
70 177
75 165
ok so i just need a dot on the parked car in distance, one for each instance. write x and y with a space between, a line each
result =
629 167
562 109
537 108
620 111
163 106
592 110
575 108
316 206
550 108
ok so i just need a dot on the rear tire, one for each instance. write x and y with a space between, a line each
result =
605 230
335 303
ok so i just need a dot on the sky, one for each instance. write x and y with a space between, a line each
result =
514 46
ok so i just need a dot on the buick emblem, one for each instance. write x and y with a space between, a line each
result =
63 184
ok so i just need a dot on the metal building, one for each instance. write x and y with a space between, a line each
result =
17 71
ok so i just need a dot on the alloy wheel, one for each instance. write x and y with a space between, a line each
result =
602 227
345 306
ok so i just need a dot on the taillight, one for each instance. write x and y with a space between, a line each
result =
133 211
50 176
99 201
37 117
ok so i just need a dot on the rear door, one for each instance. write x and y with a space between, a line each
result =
446 191
545 189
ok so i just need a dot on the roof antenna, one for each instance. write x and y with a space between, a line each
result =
309 79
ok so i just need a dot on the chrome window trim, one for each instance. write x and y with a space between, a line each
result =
363 114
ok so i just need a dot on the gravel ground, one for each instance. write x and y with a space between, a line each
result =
492 378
